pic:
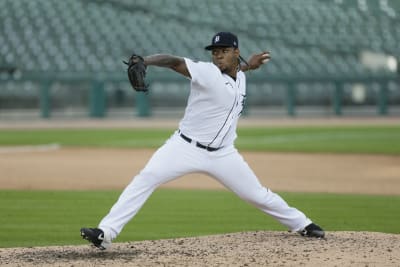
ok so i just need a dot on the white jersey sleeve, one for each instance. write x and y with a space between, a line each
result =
202 73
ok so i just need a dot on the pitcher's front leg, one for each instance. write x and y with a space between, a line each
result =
232 171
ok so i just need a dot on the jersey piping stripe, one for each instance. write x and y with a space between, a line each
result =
227 117
222 140
225 136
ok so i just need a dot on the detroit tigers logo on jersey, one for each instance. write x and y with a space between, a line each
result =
243 103
240 97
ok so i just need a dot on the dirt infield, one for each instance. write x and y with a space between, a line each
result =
53 167
58 168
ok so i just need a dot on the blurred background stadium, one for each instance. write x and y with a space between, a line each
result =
63 59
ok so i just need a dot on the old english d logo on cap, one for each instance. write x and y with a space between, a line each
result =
223 39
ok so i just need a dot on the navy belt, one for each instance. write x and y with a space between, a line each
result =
189 140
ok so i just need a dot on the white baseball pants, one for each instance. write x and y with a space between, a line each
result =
177 157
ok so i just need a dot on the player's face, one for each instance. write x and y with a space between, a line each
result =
226 59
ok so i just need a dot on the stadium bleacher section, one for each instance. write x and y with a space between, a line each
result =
308 38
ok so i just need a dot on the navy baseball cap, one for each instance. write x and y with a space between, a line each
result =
223 39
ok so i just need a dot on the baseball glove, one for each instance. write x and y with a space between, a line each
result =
137 73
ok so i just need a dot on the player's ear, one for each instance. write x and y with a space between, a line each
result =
236 51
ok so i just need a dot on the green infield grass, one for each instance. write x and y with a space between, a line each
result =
327 139
42 218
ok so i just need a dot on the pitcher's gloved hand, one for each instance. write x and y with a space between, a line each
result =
137 73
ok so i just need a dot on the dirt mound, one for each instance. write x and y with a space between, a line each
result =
239 249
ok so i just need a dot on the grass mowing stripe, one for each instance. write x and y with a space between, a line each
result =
384 140
40 218
87 137
344 139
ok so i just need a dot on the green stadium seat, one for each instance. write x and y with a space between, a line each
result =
310 37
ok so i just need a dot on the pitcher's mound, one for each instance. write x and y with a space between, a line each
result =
239 249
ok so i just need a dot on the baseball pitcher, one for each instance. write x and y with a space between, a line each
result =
204 141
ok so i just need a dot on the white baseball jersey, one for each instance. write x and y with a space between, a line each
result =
215 103
214 106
